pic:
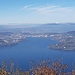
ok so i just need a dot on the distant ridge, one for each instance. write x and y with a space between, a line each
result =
71 32
60 23
57 23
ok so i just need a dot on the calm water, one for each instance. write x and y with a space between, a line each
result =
35 49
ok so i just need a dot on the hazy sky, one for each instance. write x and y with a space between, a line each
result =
37 11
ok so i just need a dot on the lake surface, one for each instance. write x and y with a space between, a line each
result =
35 49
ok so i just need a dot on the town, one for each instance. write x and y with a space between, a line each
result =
65 41
11 38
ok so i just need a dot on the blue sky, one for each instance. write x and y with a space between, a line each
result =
37 11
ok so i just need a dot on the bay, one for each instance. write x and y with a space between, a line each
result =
36 50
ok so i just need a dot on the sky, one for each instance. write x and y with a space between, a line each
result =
37 11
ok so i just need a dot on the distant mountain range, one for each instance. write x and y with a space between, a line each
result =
38 24
49 27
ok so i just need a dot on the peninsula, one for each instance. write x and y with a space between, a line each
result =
66 41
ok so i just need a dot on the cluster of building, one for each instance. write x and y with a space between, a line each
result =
14 38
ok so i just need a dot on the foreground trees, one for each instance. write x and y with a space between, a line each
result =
44 68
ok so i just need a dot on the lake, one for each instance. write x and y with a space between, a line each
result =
35 49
